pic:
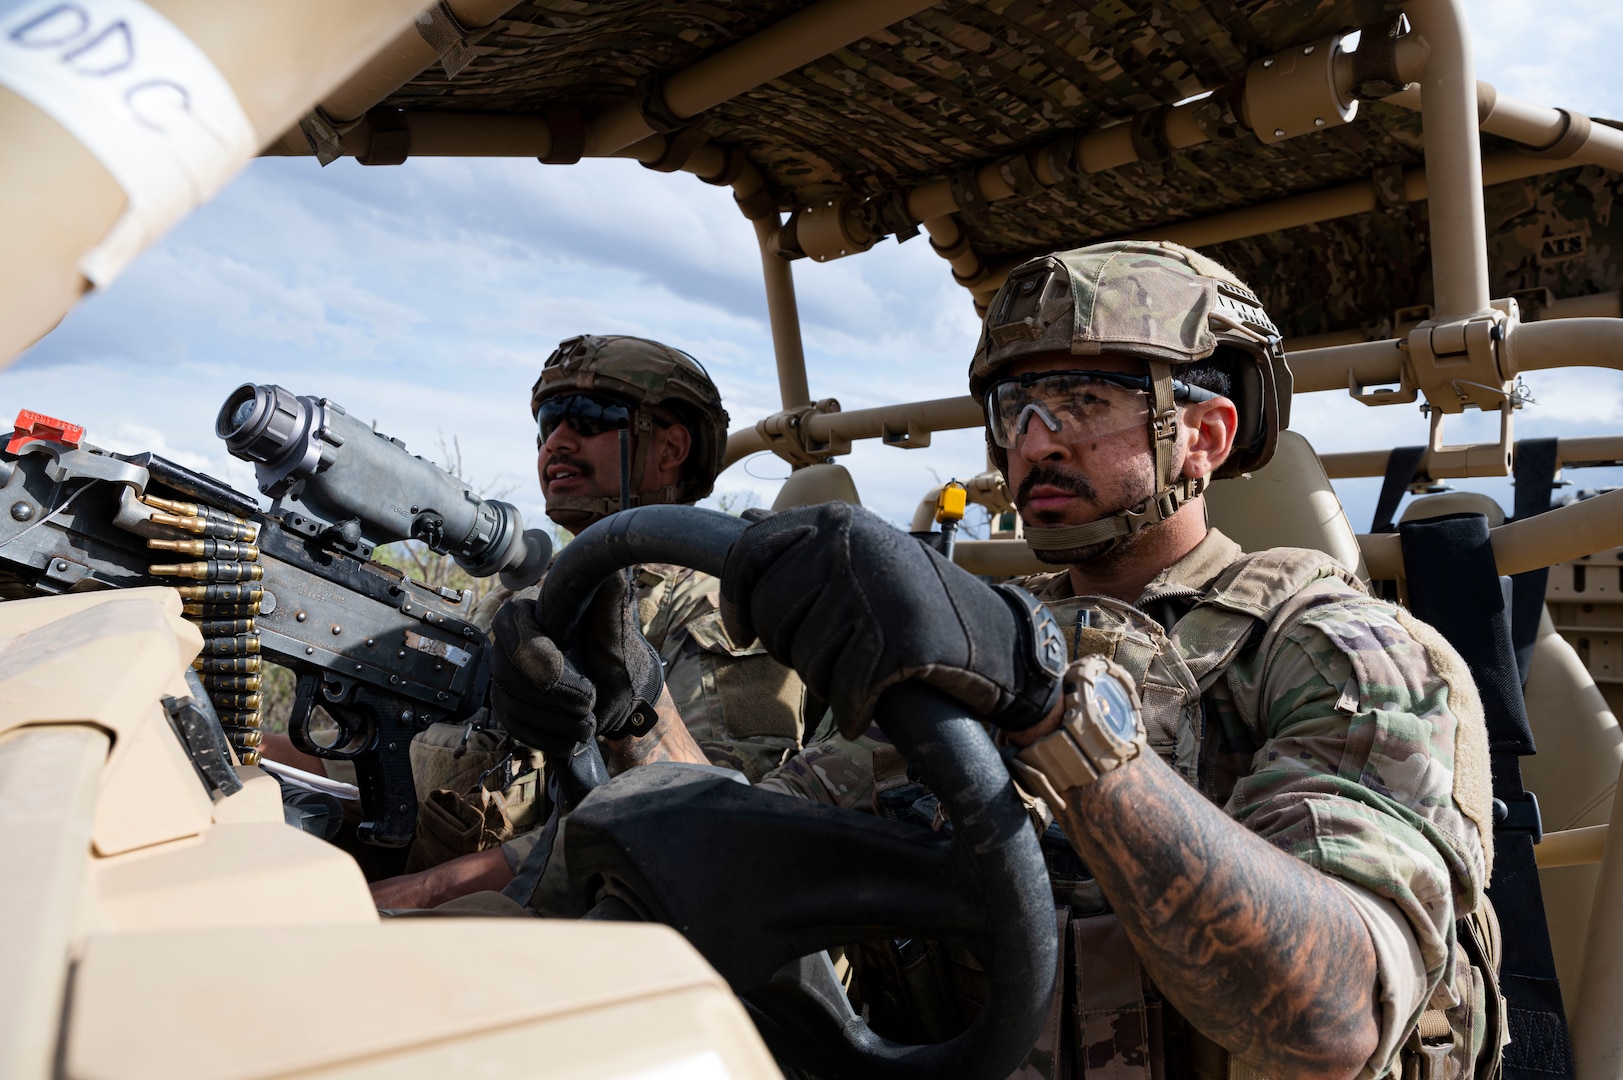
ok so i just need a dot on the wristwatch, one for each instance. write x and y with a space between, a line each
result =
1103 729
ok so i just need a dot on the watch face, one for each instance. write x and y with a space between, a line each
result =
1113 708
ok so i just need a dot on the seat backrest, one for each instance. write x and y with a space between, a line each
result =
1455 502
1287 503
817 484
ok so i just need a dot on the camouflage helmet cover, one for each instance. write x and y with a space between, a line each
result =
1151 300
646 373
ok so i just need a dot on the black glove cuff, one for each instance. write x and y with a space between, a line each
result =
1040 659
645 671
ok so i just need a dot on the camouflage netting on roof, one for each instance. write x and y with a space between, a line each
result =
1562 232
952 86
961 84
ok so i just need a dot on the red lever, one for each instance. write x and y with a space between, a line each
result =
37 427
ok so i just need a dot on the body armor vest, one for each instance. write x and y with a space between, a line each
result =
1108 1021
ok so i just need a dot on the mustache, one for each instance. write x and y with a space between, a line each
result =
580 465
1074 482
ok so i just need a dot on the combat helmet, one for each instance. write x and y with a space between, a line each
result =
1158 302
644 373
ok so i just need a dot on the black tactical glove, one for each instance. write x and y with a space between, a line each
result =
624 667
606 686
855 605
535 692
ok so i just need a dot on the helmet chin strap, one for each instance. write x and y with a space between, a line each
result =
1170 493
1118 526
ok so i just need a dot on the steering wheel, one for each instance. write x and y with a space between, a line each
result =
761 884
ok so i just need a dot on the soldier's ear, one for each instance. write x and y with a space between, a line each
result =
1209 428
675 447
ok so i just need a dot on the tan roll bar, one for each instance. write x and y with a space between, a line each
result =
58 201
793 42
824 432
1459 253
1535 346
1566 532
454 25
1552 342
1595 450
1343 200
1484 354
1572 847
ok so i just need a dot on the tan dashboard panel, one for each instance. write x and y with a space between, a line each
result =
421 997
238 875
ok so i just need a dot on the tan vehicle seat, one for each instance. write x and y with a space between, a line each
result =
1287 503
817 484
1574 774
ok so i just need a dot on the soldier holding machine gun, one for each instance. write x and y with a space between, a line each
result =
628 421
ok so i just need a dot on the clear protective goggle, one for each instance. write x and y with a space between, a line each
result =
1075 404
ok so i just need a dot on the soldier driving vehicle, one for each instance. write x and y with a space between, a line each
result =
1162 768
1338 742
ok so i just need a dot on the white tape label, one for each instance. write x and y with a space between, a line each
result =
131 87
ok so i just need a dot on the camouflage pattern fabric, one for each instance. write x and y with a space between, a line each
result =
1130 298
831 768
475 789
1333 735
1329 732
741 706
950 86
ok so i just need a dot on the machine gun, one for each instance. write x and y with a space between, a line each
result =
294 585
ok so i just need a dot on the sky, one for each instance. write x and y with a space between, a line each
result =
425 297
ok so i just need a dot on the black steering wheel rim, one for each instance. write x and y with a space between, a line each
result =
992 838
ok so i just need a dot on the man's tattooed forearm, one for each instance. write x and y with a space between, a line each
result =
1255 948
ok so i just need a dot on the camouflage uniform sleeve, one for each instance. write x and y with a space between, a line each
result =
831 769
741 706
1356 772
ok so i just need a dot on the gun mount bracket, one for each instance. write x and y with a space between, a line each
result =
82 464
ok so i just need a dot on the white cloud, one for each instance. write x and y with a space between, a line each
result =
1552 54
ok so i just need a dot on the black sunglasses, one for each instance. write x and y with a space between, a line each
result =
588 414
